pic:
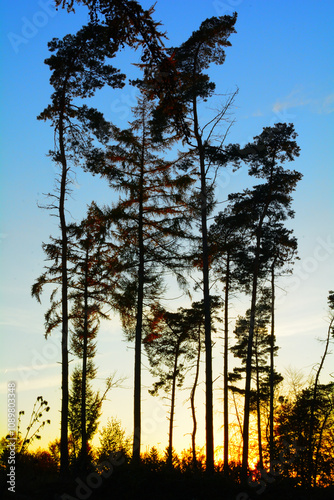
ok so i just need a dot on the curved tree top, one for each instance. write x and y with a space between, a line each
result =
128 23
204 47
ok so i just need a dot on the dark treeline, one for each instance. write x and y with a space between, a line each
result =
165 223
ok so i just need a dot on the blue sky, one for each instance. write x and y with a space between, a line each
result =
280 60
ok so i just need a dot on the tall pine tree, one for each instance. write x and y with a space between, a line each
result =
148 220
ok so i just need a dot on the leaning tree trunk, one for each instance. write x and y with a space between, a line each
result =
172 407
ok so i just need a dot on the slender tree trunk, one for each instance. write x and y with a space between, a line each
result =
208 347
258 406
206 297
272 345
245 450
84 371
226 319
192 401
139 322
249 360
64 462
172 406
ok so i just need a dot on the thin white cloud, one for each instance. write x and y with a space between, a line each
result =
326 106
319 105
33 384
293 100
28 368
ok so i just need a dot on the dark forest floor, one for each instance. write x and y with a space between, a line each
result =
128 483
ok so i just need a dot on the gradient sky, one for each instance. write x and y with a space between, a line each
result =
280 60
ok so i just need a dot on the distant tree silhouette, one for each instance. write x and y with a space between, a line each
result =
93 401
173 344
169 352
292 427
83 428
113 439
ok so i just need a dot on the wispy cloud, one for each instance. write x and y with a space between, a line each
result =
27 368
257 113
36 384
294 100
326 106
297 99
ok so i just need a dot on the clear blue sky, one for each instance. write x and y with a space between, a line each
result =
281 59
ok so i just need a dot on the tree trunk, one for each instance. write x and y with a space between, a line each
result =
172 406
192 401
64 462
272 338
206 297
249 360
139 321
84 371
244 467
226 436
258 407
